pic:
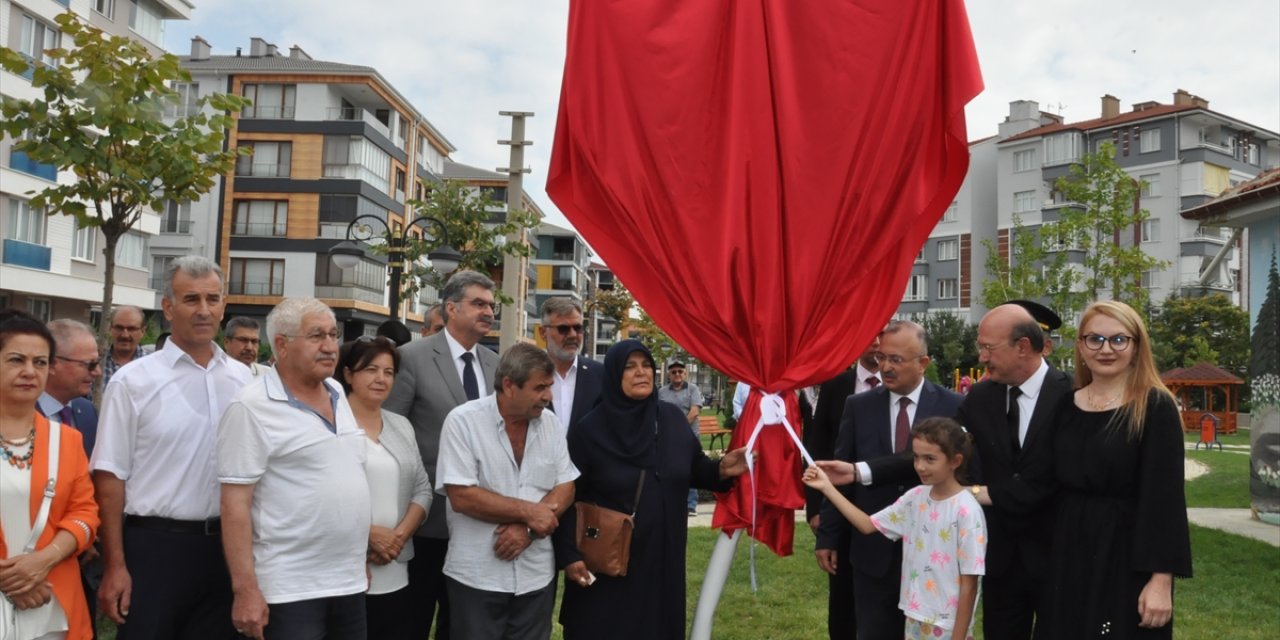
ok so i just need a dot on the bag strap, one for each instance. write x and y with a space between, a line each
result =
42 516
635 506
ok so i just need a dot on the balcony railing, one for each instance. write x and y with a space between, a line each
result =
26 254
264 112
356 172
262 170
350 293
169 226
260 229
20 161
256 288
356 114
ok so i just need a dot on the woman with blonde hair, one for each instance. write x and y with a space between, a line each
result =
1121 533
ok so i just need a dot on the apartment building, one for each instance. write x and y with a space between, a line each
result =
1185 153
48 265
561 262
331 142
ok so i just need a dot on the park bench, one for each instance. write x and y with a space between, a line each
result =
710 426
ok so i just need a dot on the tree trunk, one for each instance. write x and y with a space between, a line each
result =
108 290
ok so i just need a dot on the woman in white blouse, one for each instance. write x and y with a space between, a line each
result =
400 491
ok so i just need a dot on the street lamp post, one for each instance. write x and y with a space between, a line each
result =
347 254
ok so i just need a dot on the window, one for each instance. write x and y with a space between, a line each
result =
1149 140
256 277
158 266
41 308
564 278
367 274
953 211
948 249
176 218
37 38
917 289
1025 201
1151 279
83 242
105 7
356 158
1024 160
947 288
400 180
1150 185
272 101
920 256
1062 148
131 251
147 20
269 160
1150 230
26 223
261 218
186 103
1251 154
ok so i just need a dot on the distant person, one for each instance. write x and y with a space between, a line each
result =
576 382
1045 317
242 338
688 399
155 475
395 331
125 325
1121 531
433 321
943 532
296 503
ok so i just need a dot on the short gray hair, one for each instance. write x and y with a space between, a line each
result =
194 266
286 317
242 322
457 286
66 330
519 362
895 326
115 311
559 306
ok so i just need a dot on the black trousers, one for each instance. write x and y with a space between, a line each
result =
1014 606
181 588
332 618
841 616
390 615
876 600
489 615
427 586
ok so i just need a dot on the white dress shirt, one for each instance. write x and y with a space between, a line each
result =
158 428
863 373
1030 389
864 469
456 350
562 393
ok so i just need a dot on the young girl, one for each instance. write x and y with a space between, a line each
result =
944 535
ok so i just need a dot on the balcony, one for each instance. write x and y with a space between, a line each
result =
19 161
260 229
25 254
262 170
356 114
170 226
256 288
275 112
358 294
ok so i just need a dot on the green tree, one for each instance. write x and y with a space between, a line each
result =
953 344
615 304
1187 330
1100 221
475 230
1264 365
101 116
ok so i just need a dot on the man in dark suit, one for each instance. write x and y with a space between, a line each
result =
575 387
878 423
72 373
437 374
820 429
1010 415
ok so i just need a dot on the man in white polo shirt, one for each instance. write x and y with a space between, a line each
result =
505 468
295 503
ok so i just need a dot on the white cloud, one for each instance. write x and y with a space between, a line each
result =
459 63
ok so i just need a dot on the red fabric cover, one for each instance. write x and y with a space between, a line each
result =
761 174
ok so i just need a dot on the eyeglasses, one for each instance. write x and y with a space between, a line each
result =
123 329
895 359
990 347
89 365
566 329
481 303
1118 342
317 336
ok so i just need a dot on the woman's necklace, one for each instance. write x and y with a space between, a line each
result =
20 461
1105 404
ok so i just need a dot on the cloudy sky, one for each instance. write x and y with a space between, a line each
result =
462 62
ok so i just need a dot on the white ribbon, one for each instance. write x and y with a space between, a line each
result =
773 411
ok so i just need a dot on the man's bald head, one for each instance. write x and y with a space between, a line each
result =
1010 343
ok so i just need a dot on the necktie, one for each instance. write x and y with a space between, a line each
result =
902 429
1012 418
873 382
469 385
64 414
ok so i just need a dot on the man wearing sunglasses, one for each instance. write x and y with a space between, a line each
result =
575 387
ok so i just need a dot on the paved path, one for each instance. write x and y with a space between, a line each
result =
1237 521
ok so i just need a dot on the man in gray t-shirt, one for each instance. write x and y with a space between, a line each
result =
686 396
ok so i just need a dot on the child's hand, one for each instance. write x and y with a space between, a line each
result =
816 478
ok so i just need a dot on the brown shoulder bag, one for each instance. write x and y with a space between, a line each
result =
604 535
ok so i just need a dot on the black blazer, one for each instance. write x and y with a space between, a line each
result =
586 389
866 433
822 426
1020 519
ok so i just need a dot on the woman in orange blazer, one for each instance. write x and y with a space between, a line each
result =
44 585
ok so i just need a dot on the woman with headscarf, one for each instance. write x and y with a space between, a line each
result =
630 431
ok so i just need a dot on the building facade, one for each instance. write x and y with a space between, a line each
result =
561 264
48 264
1184 153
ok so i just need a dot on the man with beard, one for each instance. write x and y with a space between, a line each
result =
576 383
241 338
126 325
437 374
507 488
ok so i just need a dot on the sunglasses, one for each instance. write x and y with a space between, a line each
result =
566 329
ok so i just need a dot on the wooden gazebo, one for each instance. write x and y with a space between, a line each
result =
1205 388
